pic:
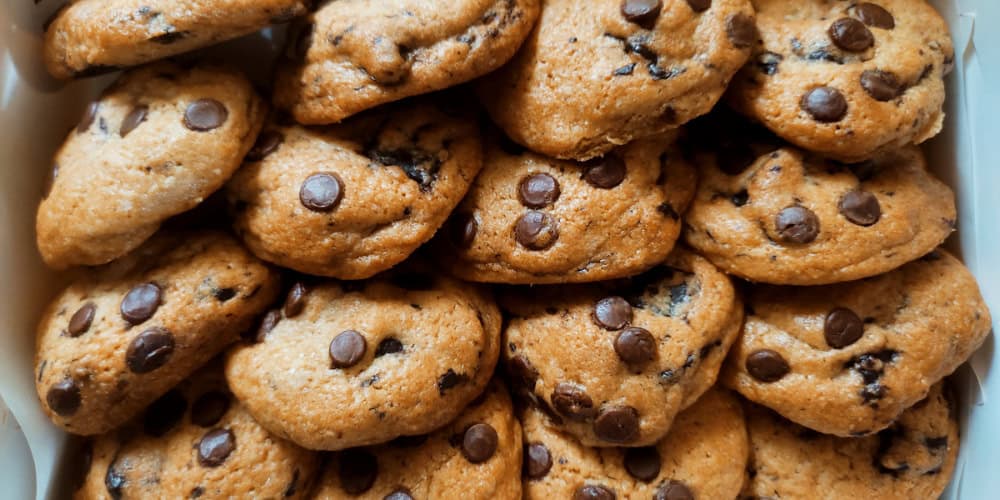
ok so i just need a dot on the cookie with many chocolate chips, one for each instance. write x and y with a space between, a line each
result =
848 359
122 335
354 199
196 441
352 55
156 143
913 458
88 37
599 74
476 457
361 363
532 219
616 362
791 218
847 79
703 456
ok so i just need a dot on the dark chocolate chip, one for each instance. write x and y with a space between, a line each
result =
141 303
741 198
643 463
400 493
149 350
612 313
825 104
606 172
224 294
537 461
767 365
699 5
133 119
215 447
479 443
388 346
209 408
673 490
768 62
204 115
881 85
449 380
797 224
357 470
267 324
635 345
164 413
641 12
860 207
741 30
88 117
851 35
523 374
593 492
572 402
538 190
617 424
462 230
296 300
267 143
536 230
81 320
842 328
114 480
347 349
63 397
874 15
321 192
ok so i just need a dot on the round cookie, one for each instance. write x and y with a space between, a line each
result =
847 79
615 363
155 144
914 458
87 37
533 219
123 335
360 363
196 441
792 218
599 74
703 456
476 456
848 359
352 55
354 199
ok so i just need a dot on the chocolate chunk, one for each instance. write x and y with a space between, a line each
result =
88 117
462 230
420 166
81 320
449 380
641 12
851 35
741 198
699 5
204 115
825 104
388 346
874 15
617 424
141 303
606 172
357 470
63 397
479 443
522 373
150 350
612 313
766 365
741 30
572 402
296 300
536 230
797 224
643 463
593 492
224 294
267 324
635 345
537 461
215 447
133 119
400 493
538 190
347 349
860 207
164 413
321 192
209 408
881 85
842 328
267 143
673 490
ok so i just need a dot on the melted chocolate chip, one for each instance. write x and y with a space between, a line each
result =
617 424
797 224
347 349
357 470
81 320
388 346
164 413
536 230
825 104
141 303
538 190
88 117
741 30
204 115
881 85
842 328
133 119
296 300
635 345
64 397
149 350
766 365
215 447
612 313
641 12
699 5
209 408
593 492
673 490
537 461
860 207
572 402
875 16
449 380
851 35
642 463
321 192
606 172
479 443
267 143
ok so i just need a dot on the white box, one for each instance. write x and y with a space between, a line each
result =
35 113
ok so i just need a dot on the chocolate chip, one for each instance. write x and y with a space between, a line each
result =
860 207
538 190
593 492
699 5
767 365
347 349
133 119
741 30
63 397
209 408
641 12
450 379
388 346
536 230
215 447
204 115
825 104
164 413
881 85
224 294
479 443
797 224
617 424
267 143
612 313
606 172
642 463
399 493
149 350
141 303
88 117
463 229
851 34
635 345
572 402
673 490
741 198
267 324
296 300
321 192
537 461
114 480
81 320
842 328
874 15
522 373
357 470
50 180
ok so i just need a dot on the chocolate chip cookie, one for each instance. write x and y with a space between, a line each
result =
532 219
88 37
359 363
351 55
615 363
848 359
913 458
354 199
792 218
123 335
703 456
847 79
475 457
155 144
599 74
196 441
